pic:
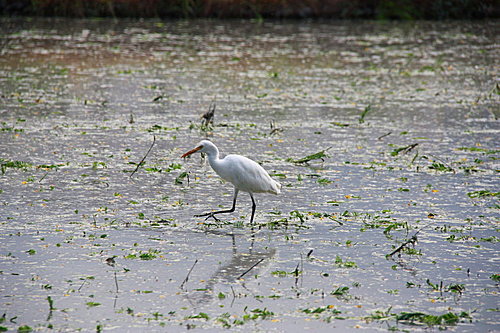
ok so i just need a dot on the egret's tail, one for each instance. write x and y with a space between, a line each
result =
275 187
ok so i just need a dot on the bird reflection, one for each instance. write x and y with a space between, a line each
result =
241 264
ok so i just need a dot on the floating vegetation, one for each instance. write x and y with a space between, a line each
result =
295 219
179 180
482 194
4 164
481 150
257 314
92 304
326 313
87 248
339 124
420 318
340 291
324 181
321 155
201 315
404 150
344 264
364 113
5 128
440 167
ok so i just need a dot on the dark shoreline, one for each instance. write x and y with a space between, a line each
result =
257 9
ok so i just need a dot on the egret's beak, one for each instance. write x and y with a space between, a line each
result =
192 151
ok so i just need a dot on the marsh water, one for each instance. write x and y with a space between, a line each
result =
391 225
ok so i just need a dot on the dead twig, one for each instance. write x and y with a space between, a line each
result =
142 161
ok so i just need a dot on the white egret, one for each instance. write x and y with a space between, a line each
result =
245 174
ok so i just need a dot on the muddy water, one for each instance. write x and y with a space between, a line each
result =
406 114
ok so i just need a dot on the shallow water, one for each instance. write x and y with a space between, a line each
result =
85 246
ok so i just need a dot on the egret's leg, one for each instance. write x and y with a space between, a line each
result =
253 207
212 214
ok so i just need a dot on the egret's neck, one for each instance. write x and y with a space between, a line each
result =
213 156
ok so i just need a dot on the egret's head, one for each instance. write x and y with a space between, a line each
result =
204 146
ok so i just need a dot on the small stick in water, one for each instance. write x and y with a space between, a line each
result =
383 136
187 276
248 270
142 161
116 282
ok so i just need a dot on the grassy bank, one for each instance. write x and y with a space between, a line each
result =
342 9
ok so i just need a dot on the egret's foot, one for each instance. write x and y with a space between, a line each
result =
208 215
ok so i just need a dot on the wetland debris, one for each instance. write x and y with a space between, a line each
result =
4 164
440 166
321 155
404 150
340 292
326 313
144 158
208 117
187 276
339 124
411 241
384 135
179 179
364 113
494 91
111 261
116 282
420 318
248 270
274 129
477 149
482 194
51 303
